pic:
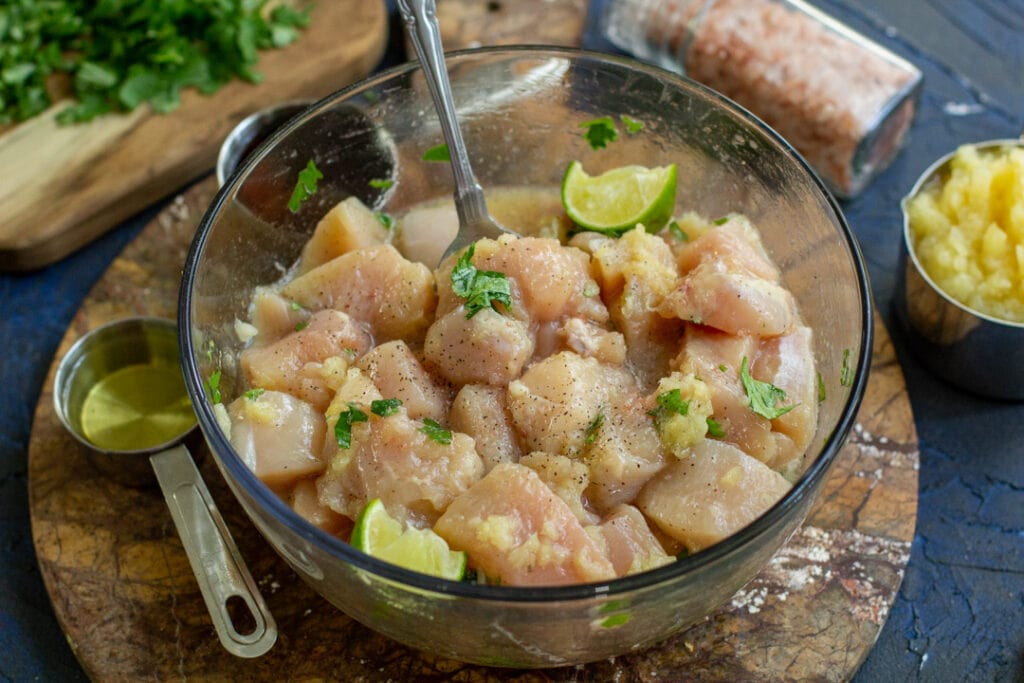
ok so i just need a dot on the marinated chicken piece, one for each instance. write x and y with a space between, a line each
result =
629 543
517 531
425 232
711 495
356 388
274 316
735 242
278 436
731 301
479 411
375 285
567 478
716 358
392 459
788 363
575 406
294 363
306 503
350 225
591 340
488 348
636 272
681 407
397 373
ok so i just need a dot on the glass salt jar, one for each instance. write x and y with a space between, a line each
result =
844 102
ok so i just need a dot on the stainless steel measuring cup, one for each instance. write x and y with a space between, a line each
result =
140 355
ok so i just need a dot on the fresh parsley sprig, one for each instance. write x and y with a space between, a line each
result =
435 432
480 288
764 397
343 427
305 186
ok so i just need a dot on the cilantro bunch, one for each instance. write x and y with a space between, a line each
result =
118 54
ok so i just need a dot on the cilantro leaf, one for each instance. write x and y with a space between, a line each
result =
632 125
381 183
343 427
763 396
305 186
670 402
385 220
213 387
600 132
721 221
437 153
480 288
435 432
715 428
253 394
821 389
678 232
590 434
385 407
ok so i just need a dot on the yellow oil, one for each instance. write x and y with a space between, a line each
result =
137 407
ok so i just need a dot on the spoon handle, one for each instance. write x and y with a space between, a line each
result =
420 18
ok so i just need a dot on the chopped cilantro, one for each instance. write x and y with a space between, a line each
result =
305 187
821 389
480 288
253 394
435 432
670 402
301 325
715 429
678 232
722 367
721 221
213 386
764 397
437 153
590 435
210 348
615 620
343 427
600 132
385 406
382 183
295 306
385 220
632 125
846 373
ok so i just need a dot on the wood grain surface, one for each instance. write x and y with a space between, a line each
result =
64 185
123 591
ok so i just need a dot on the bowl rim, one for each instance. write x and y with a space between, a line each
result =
272 504
927 177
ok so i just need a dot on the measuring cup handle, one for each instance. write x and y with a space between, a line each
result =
211 551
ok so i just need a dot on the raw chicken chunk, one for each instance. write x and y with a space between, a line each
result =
479 411
350 225
488 348
629 543
517 531
306 503
274 316
397 373
392 459
711 495
278 436
737 243
294 363
376 285
567 478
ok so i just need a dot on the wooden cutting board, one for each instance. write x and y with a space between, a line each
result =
62 186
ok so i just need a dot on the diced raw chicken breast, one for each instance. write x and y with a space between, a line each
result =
517 531
636 272
788 363
488 348
425 232
731 301
566 477
629 543
711 495
592 340
479 411
737 243
716 357
350 225
306 503
376 285
278 436
397 373
274 316
390 458
294 363
575 406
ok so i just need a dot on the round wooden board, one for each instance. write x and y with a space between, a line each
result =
123 591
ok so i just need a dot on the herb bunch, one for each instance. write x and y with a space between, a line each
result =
118 54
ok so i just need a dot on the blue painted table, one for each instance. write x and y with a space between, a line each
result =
960 612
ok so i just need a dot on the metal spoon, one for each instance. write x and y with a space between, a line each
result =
475 222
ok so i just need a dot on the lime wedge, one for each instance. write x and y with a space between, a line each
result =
615 201
378 534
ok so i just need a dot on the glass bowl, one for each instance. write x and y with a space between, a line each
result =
521 110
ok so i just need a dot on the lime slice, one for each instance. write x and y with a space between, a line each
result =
376 533
615 201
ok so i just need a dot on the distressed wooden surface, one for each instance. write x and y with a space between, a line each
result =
125 596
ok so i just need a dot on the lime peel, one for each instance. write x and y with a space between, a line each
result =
617 200
378 534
